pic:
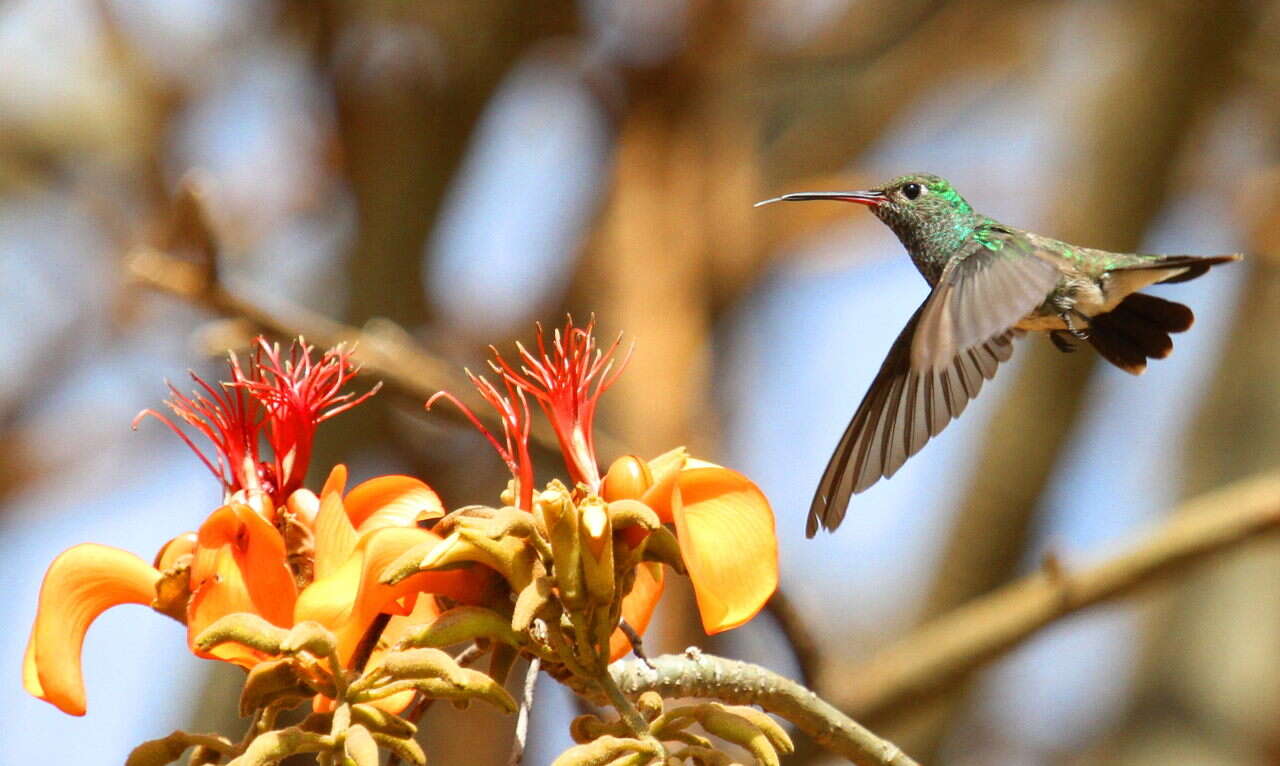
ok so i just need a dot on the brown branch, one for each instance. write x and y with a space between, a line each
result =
947 650
799 634
383 349
694 674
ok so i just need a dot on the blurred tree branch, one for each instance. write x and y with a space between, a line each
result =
410 82
945 651
382 349
695 674
828 121
1128 133
1222 615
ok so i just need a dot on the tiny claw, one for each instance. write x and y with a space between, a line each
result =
1075 332
637 644
1062 341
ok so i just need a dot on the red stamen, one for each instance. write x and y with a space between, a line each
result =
567 384
226 418
288 397
514 450
297 395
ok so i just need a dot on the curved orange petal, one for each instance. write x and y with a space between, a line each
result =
337 481
81 583
666 469
239 566
391 501
726 532
335 537
638 606
347 601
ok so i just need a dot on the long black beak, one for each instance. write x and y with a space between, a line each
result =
869 198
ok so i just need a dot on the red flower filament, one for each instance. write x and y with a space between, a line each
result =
513 413
285 398
567 383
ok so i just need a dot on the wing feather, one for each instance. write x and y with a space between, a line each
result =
949 348
978 297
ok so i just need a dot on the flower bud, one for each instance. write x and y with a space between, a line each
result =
649 705
628 477
174 550
273 682
310 637
359 748
596 533
554 506
458 625
610 750
304 505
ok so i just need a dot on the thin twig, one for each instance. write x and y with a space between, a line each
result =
526 704
946 650
799 636
695 674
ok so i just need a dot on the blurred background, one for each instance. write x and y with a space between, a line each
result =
463 169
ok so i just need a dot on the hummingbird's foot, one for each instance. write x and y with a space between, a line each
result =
633 635
1076 332
1063 341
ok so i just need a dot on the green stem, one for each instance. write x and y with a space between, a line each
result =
625 709
694 674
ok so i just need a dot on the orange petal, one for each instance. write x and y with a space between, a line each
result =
391 501
239 566
726 533
337 481
347 601
638 606
335 537
666 469
81 583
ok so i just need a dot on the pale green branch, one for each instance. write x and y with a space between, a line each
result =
695 674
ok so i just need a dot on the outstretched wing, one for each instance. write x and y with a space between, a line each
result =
953 342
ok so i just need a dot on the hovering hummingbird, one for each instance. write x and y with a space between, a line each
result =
990 282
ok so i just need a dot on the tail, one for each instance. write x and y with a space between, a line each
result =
1185 267
1138 329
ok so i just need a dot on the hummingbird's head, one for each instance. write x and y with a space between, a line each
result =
921 208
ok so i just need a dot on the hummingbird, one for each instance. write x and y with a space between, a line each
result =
990 282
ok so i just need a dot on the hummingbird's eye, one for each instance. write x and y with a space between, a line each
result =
912 190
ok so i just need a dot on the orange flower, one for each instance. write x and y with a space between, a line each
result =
238 564
272 549
356 540
723 523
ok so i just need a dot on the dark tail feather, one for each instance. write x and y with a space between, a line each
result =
1166 315
1196 265
1138 329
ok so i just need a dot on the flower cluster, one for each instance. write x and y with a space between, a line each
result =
272 549
347 597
